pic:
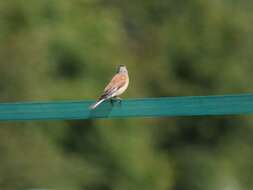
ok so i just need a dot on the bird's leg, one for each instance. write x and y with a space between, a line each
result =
118 99
115 99
111 101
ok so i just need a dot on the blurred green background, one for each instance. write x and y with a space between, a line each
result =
68 50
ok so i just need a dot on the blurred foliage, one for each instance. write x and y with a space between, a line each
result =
63 50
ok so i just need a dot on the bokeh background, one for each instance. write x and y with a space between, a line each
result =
52 50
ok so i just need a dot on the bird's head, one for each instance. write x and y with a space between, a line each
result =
122 69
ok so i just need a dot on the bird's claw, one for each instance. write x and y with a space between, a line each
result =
116 99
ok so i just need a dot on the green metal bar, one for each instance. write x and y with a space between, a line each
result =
148 107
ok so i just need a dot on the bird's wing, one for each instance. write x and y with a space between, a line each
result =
117 82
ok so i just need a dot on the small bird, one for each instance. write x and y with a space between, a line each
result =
116 87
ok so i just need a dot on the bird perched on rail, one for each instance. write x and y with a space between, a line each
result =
116 87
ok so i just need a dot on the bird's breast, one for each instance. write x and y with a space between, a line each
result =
123 88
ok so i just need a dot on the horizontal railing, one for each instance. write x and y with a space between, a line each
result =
147 107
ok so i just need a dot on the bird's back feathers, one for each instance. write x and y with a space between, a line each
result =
117 81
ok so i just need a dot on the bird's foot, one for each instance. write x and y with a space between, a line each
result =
116 99
111 101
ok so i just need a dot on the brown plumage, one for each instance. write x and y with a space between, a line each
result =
116 87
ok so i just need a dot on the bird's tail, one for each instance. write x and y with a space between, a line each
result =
97 103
